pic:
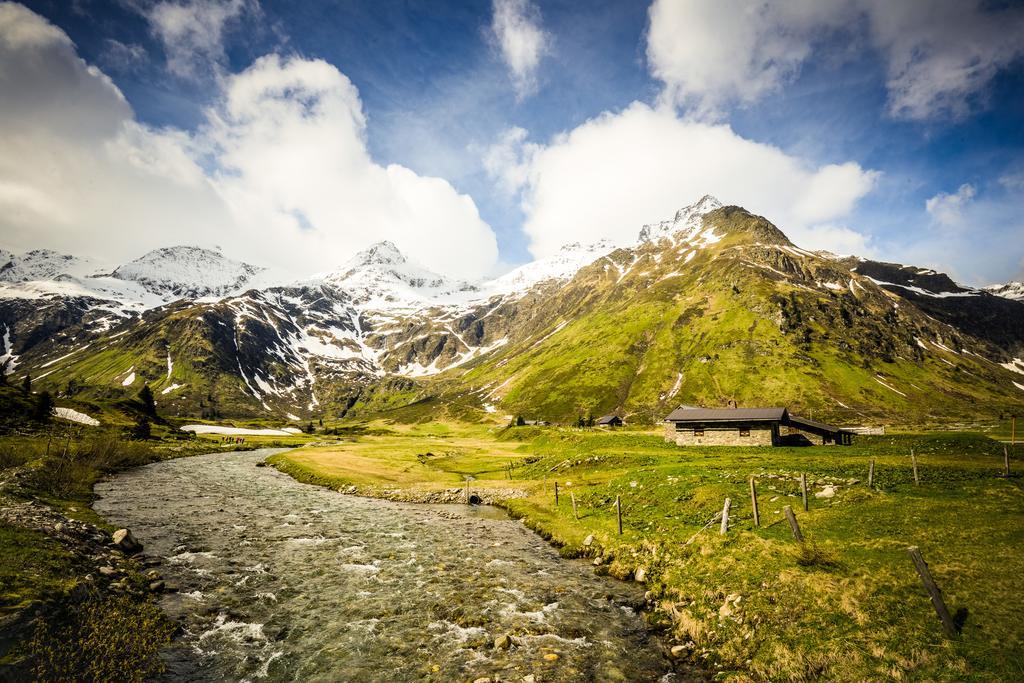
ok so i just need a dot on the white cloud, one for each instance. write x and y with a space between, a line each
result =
614 173
1013 182
508 160
516 27
715 52
192 32
948 209
977 236
122 57
940 55
280 174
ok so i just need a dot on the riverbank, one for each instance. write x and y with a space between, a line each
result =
283 581
753 603
75 604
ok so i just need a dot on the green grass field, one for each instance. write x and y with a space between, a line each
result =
754 604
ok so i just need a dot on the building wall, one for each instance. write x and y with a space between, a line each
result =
721 436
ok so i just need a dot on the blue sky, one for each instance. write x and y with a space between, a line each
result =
812 114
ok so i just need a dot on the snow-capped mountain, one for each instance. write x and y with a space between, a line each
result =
381 277
1010 290
214 336
684 226
560 267
41 264
187 272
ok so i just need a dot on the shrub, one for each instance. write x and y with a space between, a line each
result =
813 555
103 638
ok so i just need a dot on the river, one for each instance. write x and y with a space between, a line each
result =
282 581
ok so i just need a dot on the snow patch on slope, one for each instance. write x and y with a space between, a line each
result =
75 416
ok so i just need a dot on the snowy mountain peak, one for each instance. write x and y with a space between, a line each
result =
702 206
187 272
686 223
381 277
1010 290
561 266
40 264
380 253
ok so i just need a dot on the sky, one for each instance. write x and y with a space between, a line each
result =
481 134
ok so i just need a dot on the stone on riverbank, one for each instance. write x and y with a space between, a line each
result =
123 540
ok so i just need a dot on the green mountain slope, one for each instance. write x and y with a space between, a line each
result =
749 318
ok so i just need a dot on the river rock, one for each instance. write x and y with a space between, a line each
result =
123 540
502 642
640 574
678 651
107 570
483 679
588 541
551 657
157 587
827 492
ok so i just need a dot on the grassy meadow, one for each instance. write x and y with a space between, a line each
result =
752 604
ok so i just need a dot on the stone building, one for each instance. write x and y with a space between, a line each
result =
748 427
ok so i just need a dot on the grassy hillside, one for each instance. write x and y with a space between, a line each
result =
846 605
760 324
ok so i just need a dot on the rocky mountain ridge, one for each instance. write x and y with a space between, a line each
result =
711 306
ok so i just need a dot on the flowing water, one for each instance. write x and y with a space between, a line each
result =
288 582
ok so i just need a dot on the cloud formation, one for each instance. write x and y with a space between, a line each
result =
192 32
614 173
280 169
516 28
948 209
940 55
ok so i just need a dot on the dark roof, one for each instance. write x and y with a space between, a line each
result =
812 425
608 419
727 415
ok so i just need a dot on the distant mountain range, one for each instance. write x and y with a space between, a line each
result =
711 306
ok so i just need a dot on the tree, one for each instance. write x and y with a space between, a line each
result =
310 428
520 421
590 419
72 387
42 411
26 384
141 430
148 404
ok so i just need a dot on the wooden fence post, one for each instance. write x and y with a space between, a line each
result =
933 590
574 512
618 512
1006 461
913 461
791 517
871 474
803 488
556 494
725 517
753 502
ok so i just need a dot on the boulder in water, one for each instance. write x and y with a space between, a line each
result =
124 541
